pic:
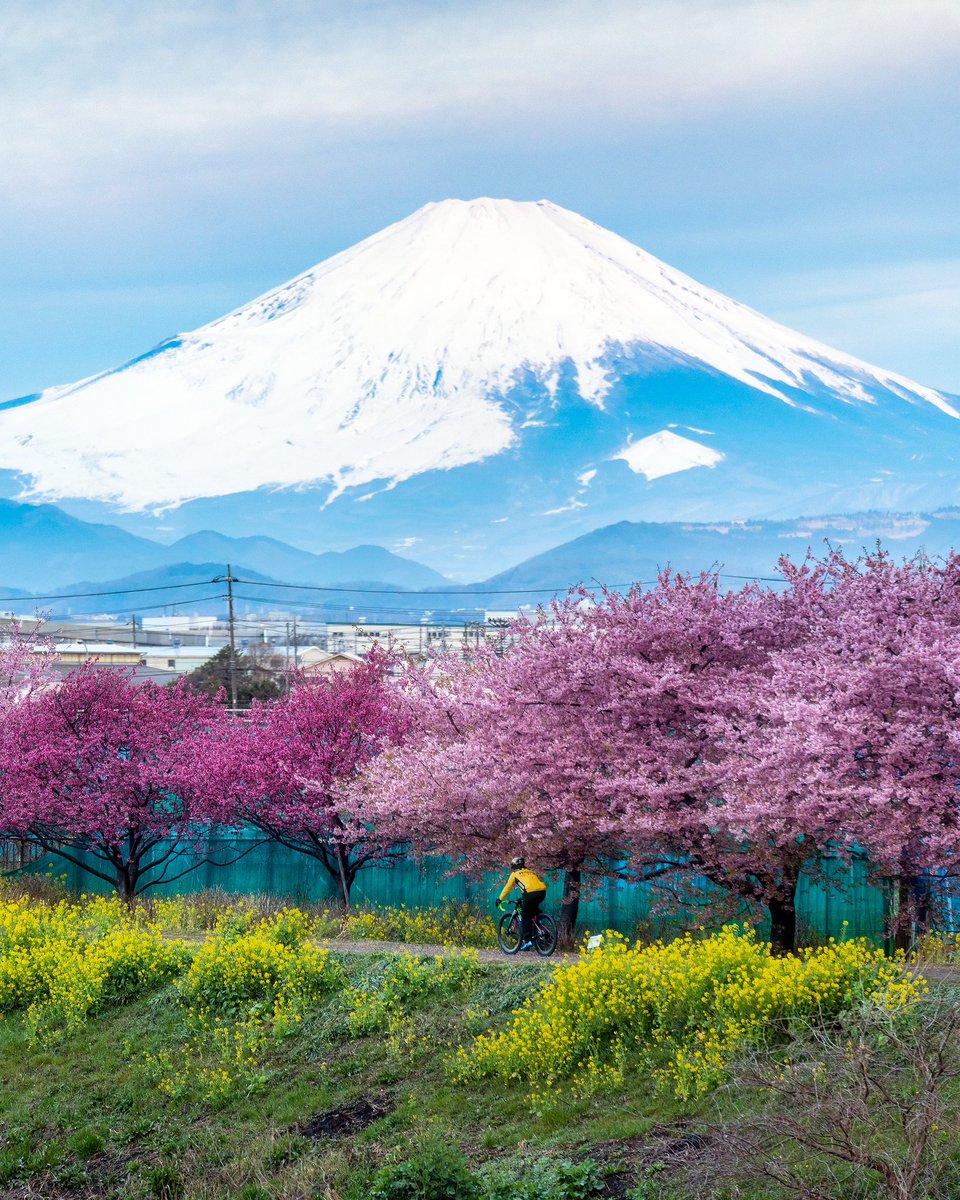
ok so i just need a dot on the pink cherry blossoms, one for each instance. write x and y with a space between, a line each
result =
287 767
688 734
737 736
111 776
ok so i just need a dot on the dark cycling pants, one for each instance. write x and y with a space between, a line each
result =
529 907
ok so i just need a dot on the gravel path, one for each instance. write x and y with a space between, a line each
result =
943 973
487 956
371 947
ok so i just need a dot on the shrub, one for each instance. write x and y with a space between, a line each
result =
438 1172
865 1106
683 1009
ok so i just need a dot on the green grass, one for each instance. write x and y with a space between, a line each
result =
82 1119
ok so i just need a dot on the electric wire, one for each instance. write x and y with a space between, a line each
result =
477 591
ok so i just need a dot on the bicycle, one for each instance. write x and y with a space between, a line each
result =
544 931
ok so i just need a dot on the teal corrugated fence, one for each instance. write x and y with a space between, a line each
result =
851 906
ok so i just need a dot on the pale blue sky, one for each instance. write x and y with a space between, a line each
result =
163 163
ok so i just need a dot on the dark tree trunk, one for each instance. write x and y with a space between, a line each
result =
783 925
903 930
345 877
127 878
569 909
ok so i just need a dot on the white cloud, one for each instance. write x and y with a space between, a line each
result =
552 512
88 85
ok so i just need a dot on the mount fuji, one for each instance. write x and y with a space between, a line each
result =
481 381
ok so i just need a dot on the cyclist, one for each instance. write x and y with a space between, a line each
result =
534 891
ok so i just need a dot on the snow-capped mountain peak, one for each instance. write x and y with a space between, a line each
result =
429 345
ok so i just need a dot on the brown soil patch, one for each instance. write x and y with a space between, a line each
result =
345 1121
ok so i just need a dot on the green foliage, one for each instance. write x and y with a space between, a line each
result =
440 1171
544 1179
437 1172
405 981
20 1159
254 682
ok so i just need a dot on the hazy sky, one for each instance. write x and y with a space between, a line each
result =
162 163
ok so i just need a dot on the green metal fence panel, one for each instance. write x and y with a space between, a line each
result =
847 904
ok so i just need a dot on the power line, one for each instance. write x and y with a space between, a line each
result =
438 593
479 590
143 607
165 587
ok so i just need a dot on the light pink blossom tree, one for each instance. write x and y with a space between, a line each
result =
112 777
26 659
854 742
739 736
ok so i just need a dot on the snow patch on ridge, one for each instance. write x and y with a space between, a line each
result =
666 453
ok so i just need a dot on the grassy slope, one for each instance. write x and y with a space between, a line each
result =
81 1119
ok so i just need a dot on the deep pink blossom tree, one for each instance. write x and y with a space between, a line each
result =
112 777
287 767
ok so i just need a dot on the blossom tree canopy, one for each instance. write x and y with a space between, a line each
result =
287 768
854 741
112 777
24 665
739 736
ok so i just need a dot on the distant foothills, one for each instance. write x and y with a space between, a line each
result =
55 563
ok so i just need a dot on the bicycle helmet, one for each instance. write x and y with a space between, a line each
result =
519 861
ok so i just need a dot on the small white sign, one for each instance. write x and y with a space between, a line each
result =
595 942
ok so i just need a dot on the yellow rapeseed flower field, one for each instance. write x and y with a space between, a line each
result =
680 1009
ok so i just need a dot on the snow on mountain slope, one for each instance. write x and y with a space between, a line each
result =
422 348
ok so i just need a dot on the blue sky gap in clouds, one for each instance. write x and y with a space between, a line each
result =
161 164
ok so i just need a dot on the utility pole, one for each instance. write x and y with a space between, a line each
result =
229 580
133 630
296 657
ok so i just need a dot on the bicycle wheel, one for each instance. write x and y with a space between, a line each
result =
508 933
544 935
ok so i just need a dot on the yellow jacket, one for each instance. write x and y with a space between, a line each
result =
525 880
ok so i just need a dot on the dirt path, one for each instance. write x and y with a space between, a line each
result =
943 973
372 947
934 973
487 956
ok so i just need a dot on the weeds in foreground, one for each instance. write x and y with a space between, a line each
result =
867 1105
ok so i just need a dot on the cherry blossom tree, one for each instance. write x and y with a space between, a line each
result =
25 662
519 753
855 734
287 768
112 777
738 736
